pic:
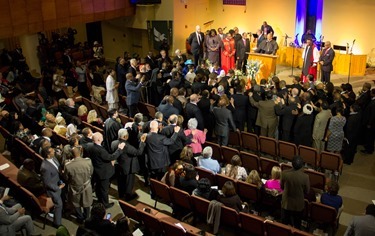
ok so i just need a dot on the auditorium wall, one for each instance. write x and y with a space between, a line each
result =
346 20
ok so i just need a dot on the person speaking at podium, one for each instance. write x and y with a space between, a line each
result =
268 46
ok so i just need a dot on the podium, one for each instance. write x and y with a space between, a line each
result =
268 67
342 61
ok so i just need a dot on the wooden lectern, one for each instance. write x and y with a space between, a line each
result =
268 67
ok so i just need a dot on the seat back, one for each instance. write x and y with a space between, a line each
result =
160 190
87 103
200 205
268 145
5 133
103 111
228 153
151 223
321 213
250 141
287 150
221 179
180 198
129 210
229 217
252 224
143 109
250 161
275 228
124 119
248 192
317 179
151 110
92 127
203 173
330 161
266 165
309 155
171 229
298 232
216 150
235 139
285 166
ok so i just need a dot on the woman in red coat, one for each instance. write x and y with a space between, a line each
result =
227 53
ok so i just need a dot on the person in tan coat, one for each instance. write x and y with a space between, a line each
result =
267 118
320 125
78 174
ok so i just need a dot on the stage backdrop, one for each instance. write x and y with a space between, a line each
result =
159 31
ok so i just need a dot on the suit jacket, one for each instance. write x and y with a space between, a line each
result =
327 59
241 48
303 130
287 118
241 105
101 160
223 119
157 150
132 70
369 115
133 92
353 127
295 184
181 139
193 111
266 113
111 128
78 174
51 177
320 124
8 215
196 47
128 159
151 61
167 110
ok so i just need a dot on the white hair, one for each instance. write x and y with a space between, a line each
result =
207 152
177 51
123 132
192 123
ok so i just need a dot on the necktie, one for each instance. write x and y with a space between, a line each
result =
199 38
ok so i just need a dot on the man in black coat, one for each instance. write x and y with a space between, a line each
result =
121 72
352 131
166 107
157 150
369 123
242 48
193 111
103 163
129 165
181 140
326 60
204 105
223 121
288 115
111 128
241 105
196 41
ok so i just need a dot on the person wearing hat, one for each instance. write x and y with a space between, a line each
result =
303 126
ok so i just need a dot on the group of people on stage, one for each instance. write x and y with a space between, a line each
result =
231 50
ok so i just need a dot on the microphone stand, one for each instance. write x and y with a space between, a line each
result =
350 60
321 50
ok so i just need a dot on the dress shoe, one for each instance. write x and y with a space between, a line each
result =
109 205
365 152
131 197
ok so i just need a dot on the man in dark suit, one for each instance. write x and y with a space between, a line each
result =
103 163
157 150
129 165
166 107
295 184
111 128
193 111
325 61
242 47
133 91
241 105
133 67
287 113
369 124
181 140
181 58
150 59
50 171
266 119
223 120
352 131
196 41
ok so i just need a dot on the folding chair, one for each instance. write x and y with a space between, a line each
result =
287 150
317 179
250 161
234 139
160 190
171 229
151 223
248 192
275 228
331 161
229 217
203 173
151 109
250 141
252 224
323 214
181 198
266 166
268 146
228 153
309 155
129 210
221 179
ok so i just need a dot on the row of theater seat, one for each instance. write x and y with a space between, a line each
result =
37 206
251 224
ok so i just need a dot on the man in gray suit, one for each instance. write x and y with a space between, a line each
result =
266 119
223 119
325 61
320 125
12 219
50 171
362 225
295 184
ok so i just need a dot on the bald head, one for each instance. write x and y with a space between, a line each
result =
194 98
154 125
198 28
97 138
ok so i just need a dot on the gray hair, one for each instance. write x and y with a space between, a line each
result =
207 152
192 123
177 51
122 132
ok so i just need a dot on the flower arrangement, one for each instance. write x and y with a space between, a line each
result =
253 67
